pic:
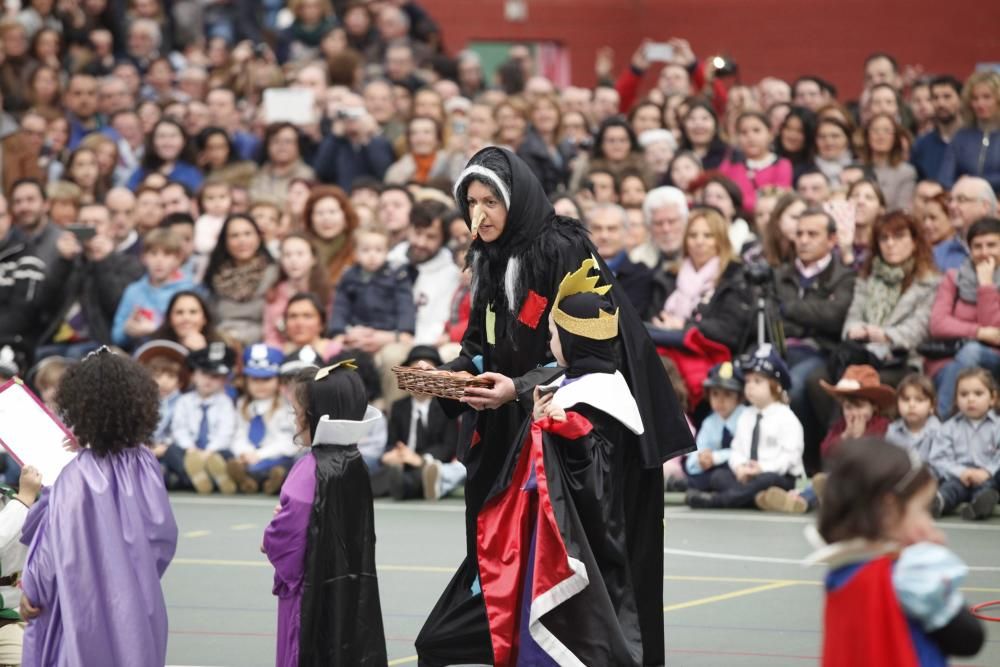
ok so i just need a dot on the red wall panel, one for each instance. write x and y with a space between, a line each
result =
784 38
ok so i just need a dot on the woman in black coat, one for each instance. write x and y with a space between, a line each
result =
706 290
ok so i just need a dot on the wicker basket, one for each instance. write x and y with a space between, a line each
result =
436 383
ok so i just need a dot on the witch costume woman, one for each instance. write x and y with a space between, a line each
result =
515 281
321 540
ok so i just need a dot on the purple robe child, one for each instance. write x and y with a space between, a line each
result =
321 540
99 541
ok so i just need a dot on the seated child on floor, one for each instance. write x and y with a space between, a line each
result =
861 396
203 424
966 450
419 458
768 443
917 425
264 448
166 361
725 394
892 592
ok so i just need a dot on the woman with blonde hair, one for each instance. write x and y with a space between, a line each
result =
705 290
975 149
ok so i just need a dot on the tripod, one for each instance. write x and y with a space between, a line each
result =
769 325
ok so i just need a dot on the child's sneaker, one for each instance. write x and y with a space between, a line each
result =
775 499
698 499
937 507
431 478
194 466
981 506
275 478
216 467
819 483
238 472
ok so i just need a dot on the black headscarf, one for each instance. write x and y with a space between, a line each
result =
528 212
585 355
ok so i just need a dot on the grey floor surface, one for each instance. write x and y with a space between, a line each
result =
734 591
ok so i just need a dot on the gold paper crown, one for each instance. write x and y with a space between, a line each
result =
602 327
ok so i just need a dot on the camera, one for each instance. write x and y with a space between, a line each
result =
759 274
724 66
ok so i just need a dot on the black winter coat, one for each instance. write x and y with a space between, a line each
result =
97 285
818 311
725 318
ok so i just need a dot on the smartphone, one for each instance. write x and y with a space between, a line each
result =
545 391
659 52
83 233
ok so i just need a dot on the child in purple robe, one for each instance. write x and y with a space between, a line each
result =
100 538
321 540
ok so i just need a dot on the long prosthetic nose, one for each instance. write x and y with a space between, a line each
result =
478 217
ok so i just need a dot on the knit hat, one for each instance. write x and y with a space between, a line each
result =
861 381
723 376
766 361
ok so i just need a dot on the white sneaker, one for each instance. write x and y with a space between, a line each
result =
431 477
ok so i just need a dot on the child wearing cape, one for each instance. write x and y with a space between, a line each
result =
563 506
321 540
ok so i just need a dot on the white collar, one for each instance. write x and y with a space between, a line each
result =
607 392
846 552
345 431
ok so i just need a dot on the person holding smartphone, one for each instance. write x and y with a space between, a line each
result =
84 286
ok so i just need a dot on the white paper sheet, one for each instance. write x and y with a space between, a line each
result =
31 434
289 105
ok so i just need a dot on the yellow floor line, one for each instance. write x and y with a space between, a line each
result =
729 596
403 661
243 526
197 533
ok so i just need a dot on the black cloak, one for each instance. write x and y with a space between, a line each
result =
516 279
341 612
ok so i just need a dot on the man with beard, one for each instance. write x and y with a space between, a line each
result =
520 253
425 256
928 151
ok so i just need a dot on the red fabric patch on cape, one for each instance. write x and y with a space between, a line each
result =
475 439
531 311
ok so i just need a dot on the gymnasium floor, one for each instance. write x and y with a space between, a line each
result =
734 591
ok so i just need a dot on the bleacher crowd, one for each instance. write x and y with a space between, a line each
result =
230 190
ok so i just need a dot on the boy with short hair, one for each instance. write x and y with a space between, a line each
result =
419 458
725 394
144 302
371 295
204 423
166 361
182 226
768 442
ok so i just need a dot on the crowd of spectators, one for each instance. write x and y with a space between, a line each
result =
245 172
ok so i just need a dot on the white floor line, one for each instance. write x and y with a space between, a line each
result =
769 559
380 505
